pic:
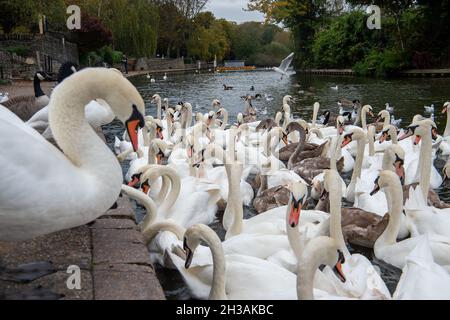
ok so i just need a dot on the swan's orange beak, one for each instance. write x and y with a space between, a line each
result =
294 216
347 140
159 133
133 124
400 171
132 127
417 140
133 182
145 187
285 139
444 110
338 267
341 130
190 152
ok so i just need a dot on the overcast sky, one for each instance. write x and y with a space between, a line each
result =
232 10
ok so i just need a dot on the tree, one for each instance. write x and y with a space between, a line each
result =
92 36
396 8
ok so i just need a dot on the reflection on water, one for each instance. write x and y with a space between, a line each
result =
407 96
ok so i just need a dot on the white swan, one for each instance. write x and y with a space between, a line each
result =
363 282
234 276
98 113
422 278
421 169
386 247
59 190
190 200
269 222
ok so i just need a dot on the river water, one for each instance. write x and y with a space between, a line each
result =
408 96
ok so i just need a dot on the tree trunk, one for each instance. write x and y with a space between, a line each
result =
397 20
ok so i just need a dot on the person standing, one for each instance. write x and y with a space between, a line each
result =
125 63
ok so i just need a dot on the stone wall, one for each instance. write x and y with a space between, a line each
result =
156 64
48 52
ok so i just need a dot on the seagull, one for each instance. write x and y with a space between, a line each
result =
396 122
268 97
285 68
389 108
429 109
335 88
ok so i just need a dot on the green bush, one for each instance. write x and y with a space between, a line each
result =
21 51
381 63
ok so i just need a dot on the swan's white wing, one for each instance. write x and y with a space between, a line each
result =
33 173
287 62
39 119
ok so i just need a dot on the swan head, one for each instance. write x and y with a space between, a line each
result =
385 178
158 148
445 108
368 110
221 112
159 128
356 134
191 241
387 133
396 156
216 103
340 123
210 118
120 94
420 129
298 198
157 98
383 115
287 99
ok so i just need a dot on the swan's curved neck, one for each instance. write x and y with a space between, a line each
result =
233 218
187 117
150 232
76 138
358 116
159 109
37 88
144 200
298 150
359 160
395 206
315 114
394 136
225 119
371 140
295 240
364 119
211 239
425 163
336 217
167 175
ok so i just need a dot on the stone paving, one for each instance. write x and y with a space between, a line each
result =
110 253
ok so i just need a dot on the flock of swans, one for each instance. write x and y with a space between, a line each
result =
185 168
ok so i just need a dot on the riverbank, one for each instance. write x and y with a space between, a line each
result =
109 252
406 73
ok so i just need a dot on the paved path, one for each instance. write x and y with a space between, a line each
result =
110 252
